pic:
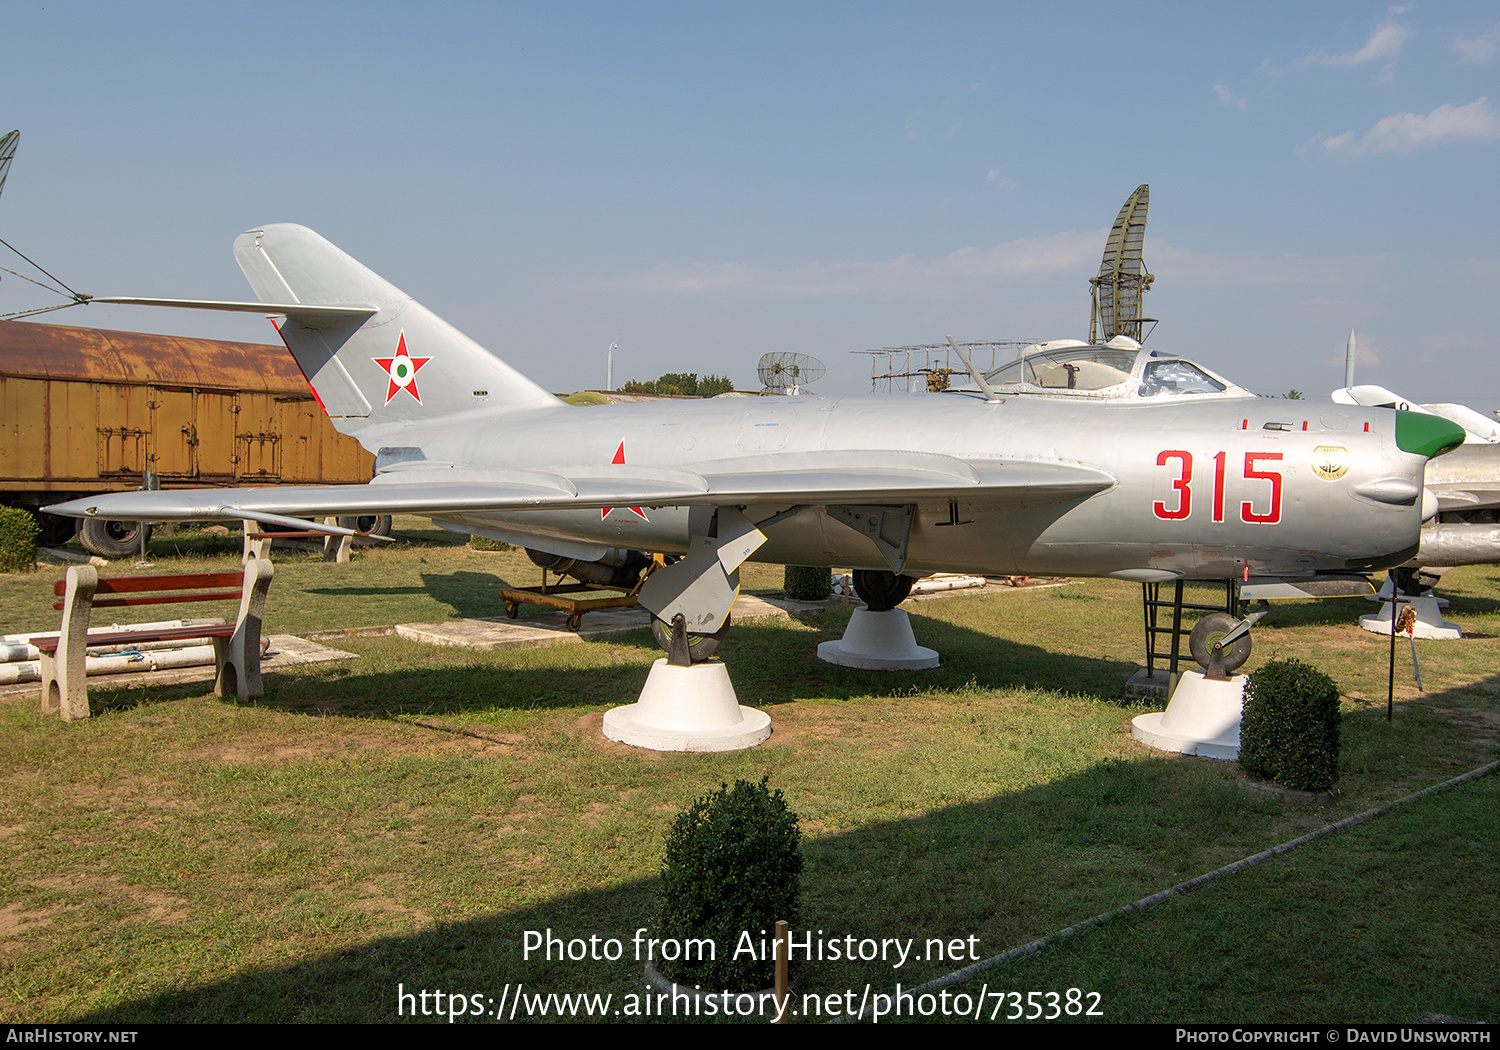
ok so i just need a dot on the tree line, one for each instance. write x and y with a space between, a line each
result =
683 383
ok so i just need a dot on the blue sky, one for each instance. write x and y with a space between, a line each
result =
703 183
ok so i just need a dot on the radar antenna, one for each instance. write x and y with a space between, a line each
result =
7 154
787 373
1120 288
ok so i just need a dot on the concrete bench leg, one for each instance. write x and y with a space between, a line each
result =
254 549
336 548
237 659
65 687
51 687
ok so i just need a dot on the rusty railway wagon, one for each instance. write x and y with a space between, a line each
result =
84 411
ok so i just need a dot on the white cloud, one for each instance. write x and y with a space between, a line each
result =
1333 143
1000 182
1477 49
1404 132
904 275
1227 98
1383 46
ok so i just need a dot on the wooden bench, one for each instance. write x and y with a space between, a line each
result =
236 645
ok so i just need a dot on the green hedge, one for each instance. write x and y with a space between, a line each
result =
18 533
805 583
1289 731
733 867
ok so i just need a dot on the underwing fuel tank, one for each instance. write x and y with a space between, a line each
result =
1450 544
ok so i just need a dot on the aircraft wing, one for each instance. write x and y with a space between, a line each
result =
1468 478
427 489
1467 497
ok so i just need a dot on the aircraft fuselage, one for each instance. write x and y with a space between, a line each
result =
1199 490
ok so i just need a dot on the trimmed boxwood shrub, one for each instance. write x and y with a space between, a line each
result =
807 583
18 533
733 867
1289 731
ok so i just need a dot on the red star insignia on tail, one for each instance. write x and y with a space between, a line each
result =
402 370
619 460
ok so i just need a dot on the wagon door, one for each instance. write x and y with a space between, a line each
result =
124 420
173 444
257 438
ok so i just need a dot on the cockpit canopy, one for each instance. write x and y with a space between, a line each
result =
1119 369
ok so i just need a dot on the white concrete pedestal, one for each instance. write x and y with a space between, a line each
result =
1384 595
1430 622
879 641
1202 718
687 709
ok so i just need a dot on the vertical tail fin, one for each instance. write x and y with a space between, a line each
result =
400 364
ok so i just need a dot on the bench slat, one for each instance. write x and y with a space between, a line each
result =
181 582
50 643
164 599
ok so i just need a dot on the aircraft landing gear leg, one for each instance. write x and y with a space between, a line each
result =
684 649
700 588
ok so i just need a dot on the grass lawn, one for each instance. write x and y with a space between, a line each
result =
404 819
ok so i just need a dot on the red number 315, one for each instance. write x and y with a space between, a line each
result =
1183 483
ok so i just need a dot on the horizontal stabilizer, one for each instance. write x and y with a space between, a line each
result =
303 313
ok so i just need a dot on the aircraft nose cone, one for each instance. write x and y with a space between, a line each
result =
1426 435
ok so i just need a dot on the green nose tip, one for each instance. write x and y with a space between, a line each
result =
1426 435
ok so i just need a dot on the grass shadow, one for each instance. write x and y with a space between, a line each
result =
985 875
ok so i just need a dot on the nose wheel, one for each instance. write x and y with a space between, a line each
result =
1221 642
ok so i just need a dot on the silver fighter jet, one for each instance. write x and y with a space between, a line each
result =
1201 482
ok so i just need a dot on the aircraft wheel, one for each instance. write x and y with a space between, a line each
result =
1207 633
881 591
700 646
374 524
55 531
112 539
